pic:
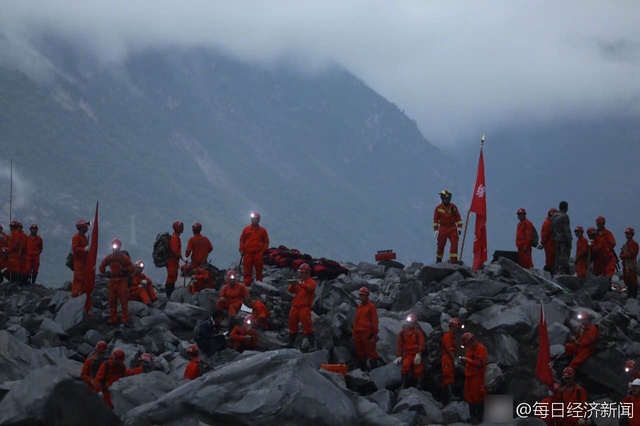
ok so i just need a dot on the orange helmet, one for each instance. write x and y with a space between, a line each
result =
248 319
255 215
363 291
197 226
522 211
139 264
412 318
101 346
600 220
304 268
231 275
118 355
193 349
578 229
116 243
455 322
630 230
145 358
556 388
82 224
33 226
467 337
568 372
178 226
630 365
551 212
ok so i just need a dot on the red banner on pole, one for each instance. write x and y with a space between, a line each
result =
543 367
90 272
479 207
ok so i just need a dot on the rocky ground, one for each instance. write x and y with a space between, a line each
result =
44 338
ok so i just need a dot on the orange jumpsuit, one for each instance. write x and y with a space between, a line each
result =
109 373
411 343
605 261
192 371
121 266
365 330
198 247
234 297
17 252
201 279
447 345
301 306
260 314
34 248
524 235
573 395
474 390
582 256
90 368
4 240
80 256
635 400
549 245
448 217
629 257
586 338
237 340
144 294
254 242
175 246
549 419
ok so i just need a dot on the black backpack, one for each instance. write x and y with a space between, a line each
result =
217 274
161 249
534 238
95 365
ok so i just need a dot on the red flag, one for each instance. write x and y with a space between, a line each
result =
90 272
543 369
479 207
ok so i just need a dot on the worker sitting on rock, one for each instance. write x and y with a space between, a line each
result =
201 278
633 397
232 294
574 395
141 286
365 331
244 337
475 362
411 344
109 372
259 312
93 363
448 346
192 371
581 345
209 334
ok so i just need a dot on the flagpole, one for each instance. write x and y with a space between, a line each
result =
466 225
10 208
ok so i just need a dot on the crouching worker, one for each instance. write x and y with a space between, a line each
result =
232 294
110 372
410 346
244 337
192 371
201 278
141 286
259 312
209 334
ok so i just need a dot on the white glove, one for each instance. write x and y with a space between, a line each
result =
435 235
100 394
398 360
417 359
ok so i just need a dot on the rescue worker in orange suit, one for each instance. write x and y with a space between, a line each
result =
448 347
244 337
4 238
581 345
198 246
192 371
411 344
141 286
547 403
548 243
447 224
524 237
633 397
80 250
475 362
365 331
629 257
173 263
582 252
120 268
110 372
592 233
572 394
232 294
93 363
34 248
259 312
631 368
300 312
201 278
17 253
605 261
254 242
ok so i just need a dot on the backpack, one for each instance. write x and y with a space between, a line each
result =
95 365
217 274
534 238
425 353
161 249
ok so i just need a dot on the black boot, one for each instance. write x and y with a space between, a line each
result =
405 381
34 277
473 414
362 365
312 341
373 363
292 340
169 287
480 411
632 291
450 395
438 260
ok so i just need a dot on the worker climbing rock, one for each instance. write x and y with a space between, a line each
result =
411 345
175 255
244 337
93 363
629 257
605 261
192 371
581 345
259 312
448 347
120 268
475 362
80 250
232 294
365 332
304 291
141 286
572 394
561 227
34 249
547 242
582 252
254 242
633 398
110 372
198 246
524 239
447 225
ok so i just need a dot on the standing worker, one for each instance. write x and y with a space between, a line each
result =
524 239
447 224
110 372
547 243
448 346
582 252
17 253
475 361
254 242
365 331
606 260
411 344
175 254
304 291
80 250
562 236
34 248
629 256
198 246
120 268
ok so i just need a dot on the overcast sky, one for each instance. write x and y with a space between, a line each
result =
458 68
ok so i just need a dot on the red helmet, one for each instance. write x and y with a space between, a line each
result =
304 268
363 291
118 355
630 230
101 346
116 243
248 319
552 211
412 318
197 226
522 211
16 224
255 215
139 264
231 275
584 314
82 224
467 337
600 220
178 226
630 365
591 231
556 388
568 372
145 358
33 226
193 349
455 322
578 229
445 194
